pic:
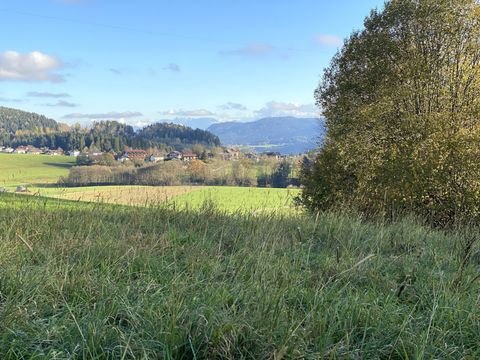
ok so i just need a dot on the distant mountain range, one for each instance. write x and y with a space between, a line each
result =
286 135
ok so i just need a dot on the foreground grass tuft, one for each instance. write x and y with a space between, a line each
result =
82 280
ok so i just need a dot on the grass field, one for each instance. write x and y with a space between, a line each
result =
183 197
89 280
124 195
236 199
39 170
19 169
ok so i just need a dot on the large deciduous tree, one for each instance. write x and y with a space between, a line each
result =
402 106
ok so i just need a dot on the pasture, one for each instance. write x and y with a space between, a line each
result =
231 199
24 169
42 172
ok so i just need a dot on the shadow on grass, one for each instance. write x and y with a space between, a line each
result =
60 165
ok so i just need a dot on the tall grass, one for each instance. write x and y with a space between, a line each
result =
103 282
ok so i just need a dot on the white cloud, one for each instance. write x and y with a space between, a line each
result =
188 113
105 116
33 66
276 109
328 40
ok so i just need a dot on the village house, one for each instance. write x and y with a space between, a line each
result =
133 155
174 155
33 150
188 156
252 156
21 150
155 159
55 152
231 154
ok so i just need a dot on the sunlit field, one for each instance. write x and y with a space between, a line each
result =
41 172
24 169
181 197
124 195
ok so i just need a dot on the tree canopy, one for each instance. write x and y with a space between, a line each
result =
402 103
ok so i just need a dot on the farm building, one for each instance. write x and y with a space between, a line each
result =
134 154
33 150
21 150
188 156
174 155
231 154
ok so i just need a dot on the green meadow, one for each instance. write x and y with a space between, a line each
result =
24 169
41 172
100 281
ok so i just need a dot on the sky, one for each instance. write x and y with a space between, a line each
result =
150 60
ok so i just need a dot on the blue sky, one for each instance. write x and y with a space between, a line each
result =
142 61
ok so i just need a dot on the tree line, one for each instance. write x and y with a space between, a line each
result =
278 174
22 128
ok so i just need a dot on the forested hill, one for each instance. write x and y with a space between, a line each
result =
13 121
22 128
176 134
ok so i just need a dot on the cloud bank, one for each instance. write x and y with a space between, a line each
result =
33 66
277 108
188 113
105 116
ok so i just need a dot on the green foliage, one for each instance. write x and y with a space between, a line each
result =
402 113
102 282
281 175
14 121
178 136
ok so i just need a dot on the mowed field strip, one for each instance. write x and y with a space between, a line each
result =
182 197
124 195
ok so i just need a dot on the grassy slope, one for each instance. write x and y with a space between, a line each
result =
19 169
96 281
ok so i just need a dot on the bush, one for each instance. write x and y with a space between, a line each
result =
402 120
